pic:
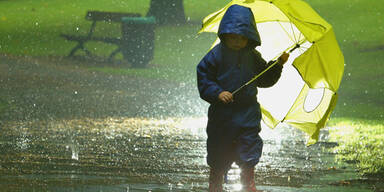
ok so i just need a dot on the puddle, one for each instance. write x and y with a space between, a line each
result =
138 154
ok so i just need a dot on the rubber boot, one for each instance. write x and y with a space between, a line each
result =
247 178
216 180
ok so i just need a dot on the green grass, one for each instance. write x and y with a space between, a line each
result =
359 116
361 142
175 57
361 89
2 105
32 27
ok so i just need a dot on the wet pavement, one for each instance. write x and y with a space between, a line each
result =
76 130
131 154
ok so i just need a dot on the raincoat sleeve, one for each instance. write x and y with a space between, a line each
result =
270 77
206 79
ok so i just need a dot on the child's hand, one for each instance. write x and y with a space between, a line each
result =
226 97
283 58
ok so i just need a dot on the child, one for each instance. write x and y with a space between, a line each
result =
234 120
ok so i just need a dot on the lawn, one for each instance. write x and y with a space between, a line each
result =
358 119
2 105
32 27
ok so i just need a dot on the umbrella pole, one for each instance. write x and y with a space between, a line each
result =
265 70
254 78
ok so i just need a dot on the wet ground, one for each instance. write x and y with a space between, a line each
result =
70 129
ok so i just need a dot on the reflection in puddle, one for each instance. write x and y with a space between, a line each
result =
138 154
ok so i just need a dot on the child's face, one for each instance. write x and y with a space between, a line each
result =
235 41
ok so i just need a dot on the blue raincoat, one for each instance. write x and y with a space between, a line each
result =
233 128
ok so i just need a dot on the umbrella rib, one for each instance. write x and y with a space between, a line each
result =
286 32
293 31
300 34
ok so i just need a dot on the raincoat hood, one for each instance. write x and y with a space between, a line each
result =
240 20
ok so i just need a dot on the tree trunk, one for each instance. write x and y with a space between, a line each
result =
167 11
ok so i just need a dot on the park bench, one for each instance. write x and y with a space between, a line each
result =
126 43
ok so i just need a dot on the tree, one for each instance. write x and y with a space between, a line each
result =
167 11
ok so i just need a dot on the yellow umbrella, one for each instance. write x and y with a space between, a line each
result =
306 94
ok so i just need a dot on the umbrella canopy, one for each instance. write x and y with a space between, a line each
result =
306 94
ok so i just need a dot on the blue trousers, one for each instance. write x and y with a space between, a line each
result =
245 150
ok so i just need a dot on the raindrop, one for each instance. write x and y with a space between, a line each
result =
36 23
75 151
75 155
77 28
349 74
237 187
344 104
75 92
366 91
180 40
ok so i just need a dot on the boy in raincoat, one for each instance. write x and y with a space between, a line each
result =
234 120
